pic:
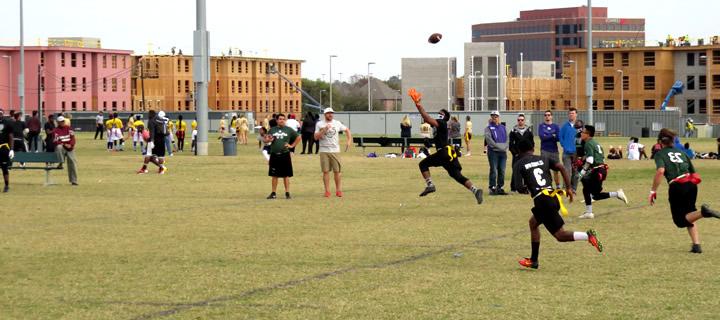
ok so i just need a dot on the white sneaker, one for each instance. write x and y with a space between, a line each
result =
587 215
621 196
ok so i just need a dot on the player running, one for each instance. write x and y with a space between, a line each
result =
534 171
446 155
594 172
682 191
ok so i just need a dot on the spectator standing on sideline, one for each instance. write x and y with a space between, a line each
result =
454 129
193 144
497 140
244 128
327 133
519 133
405 130
307 131
549 133
33 125
49 139
64 139
180 133
426 132
99 125
137 133
689 128
282 140
468 135
6 148
292 123
19 135
567 141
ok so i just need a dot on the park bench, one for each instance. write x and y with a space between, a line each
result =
395 142
51 160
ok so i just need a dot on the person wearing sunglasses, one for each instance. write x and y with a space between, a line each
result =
520 132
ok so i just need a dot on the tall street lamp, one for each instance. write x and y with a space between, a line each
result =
331 83
368 85
321 92
622 90
10 82
575 75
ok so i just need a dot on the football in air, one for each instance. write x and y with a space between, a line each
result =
435 38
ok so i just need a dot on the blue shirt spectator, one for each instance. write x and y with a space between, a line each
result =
549 136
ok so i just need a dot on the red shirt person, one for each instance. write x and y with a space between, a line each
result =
64 140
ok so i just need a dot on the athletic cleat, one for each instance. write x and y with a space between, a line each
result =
479 196
587 215
327 194
162 170
696 248
272 196
707 212
621 195
528 263
339 194
142 171
428 190
287 195
6 189
594 241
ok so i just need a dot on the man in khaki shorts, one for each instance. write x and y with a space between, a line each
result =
326 132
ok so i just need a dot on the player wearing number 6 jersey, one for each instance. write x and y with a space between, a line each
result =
594 172
533 172
683 180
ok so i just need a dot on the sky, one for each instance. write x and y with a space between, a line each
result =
357 32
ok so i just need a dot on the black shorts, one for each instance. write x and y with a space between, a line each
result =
441 158
547 212
593 181
4 157
280 165
159 149
682 197
468 136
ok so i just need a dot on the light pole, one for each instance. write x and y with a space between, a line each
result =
522 105
622 90
321 92
201 76
340 77
588 64
331 84
575 75
21 76
10 82
368 85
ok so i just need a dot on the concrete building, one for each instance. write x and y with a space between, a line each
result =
484 77
75 76
236 83
536 69
647 75
434 78
541 35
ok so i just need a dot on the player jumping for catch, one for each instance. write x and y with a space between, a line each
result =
535 175
446 155
682 191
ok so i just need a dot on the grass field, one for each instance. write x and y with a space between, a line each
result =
203 243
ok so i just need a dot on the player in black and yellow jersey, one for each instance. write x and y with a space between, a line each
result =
594 172
446 155
682 191
6 148
533 172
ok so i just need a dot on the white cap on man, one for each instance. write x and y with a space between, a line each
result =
161 114
60 119
495 113
328 110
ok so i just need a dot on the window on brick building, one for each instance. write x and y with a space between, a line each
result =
609 83
608 59
649 82
625 59
703 106
691 106
702 83
73 59
649 104
649 59
84 61
62 84
62 59
73 84
114 85
113 60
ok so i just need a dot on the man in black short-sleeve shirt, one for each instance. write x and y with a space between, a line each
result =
446 155
533 173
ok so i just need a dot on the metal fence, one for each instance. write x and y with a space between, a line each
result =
622 123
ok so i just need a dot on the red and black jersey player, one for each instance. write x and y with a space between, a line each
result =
533 172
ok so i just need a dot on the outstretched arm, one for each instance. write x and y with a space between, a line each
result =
417 97
656 183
